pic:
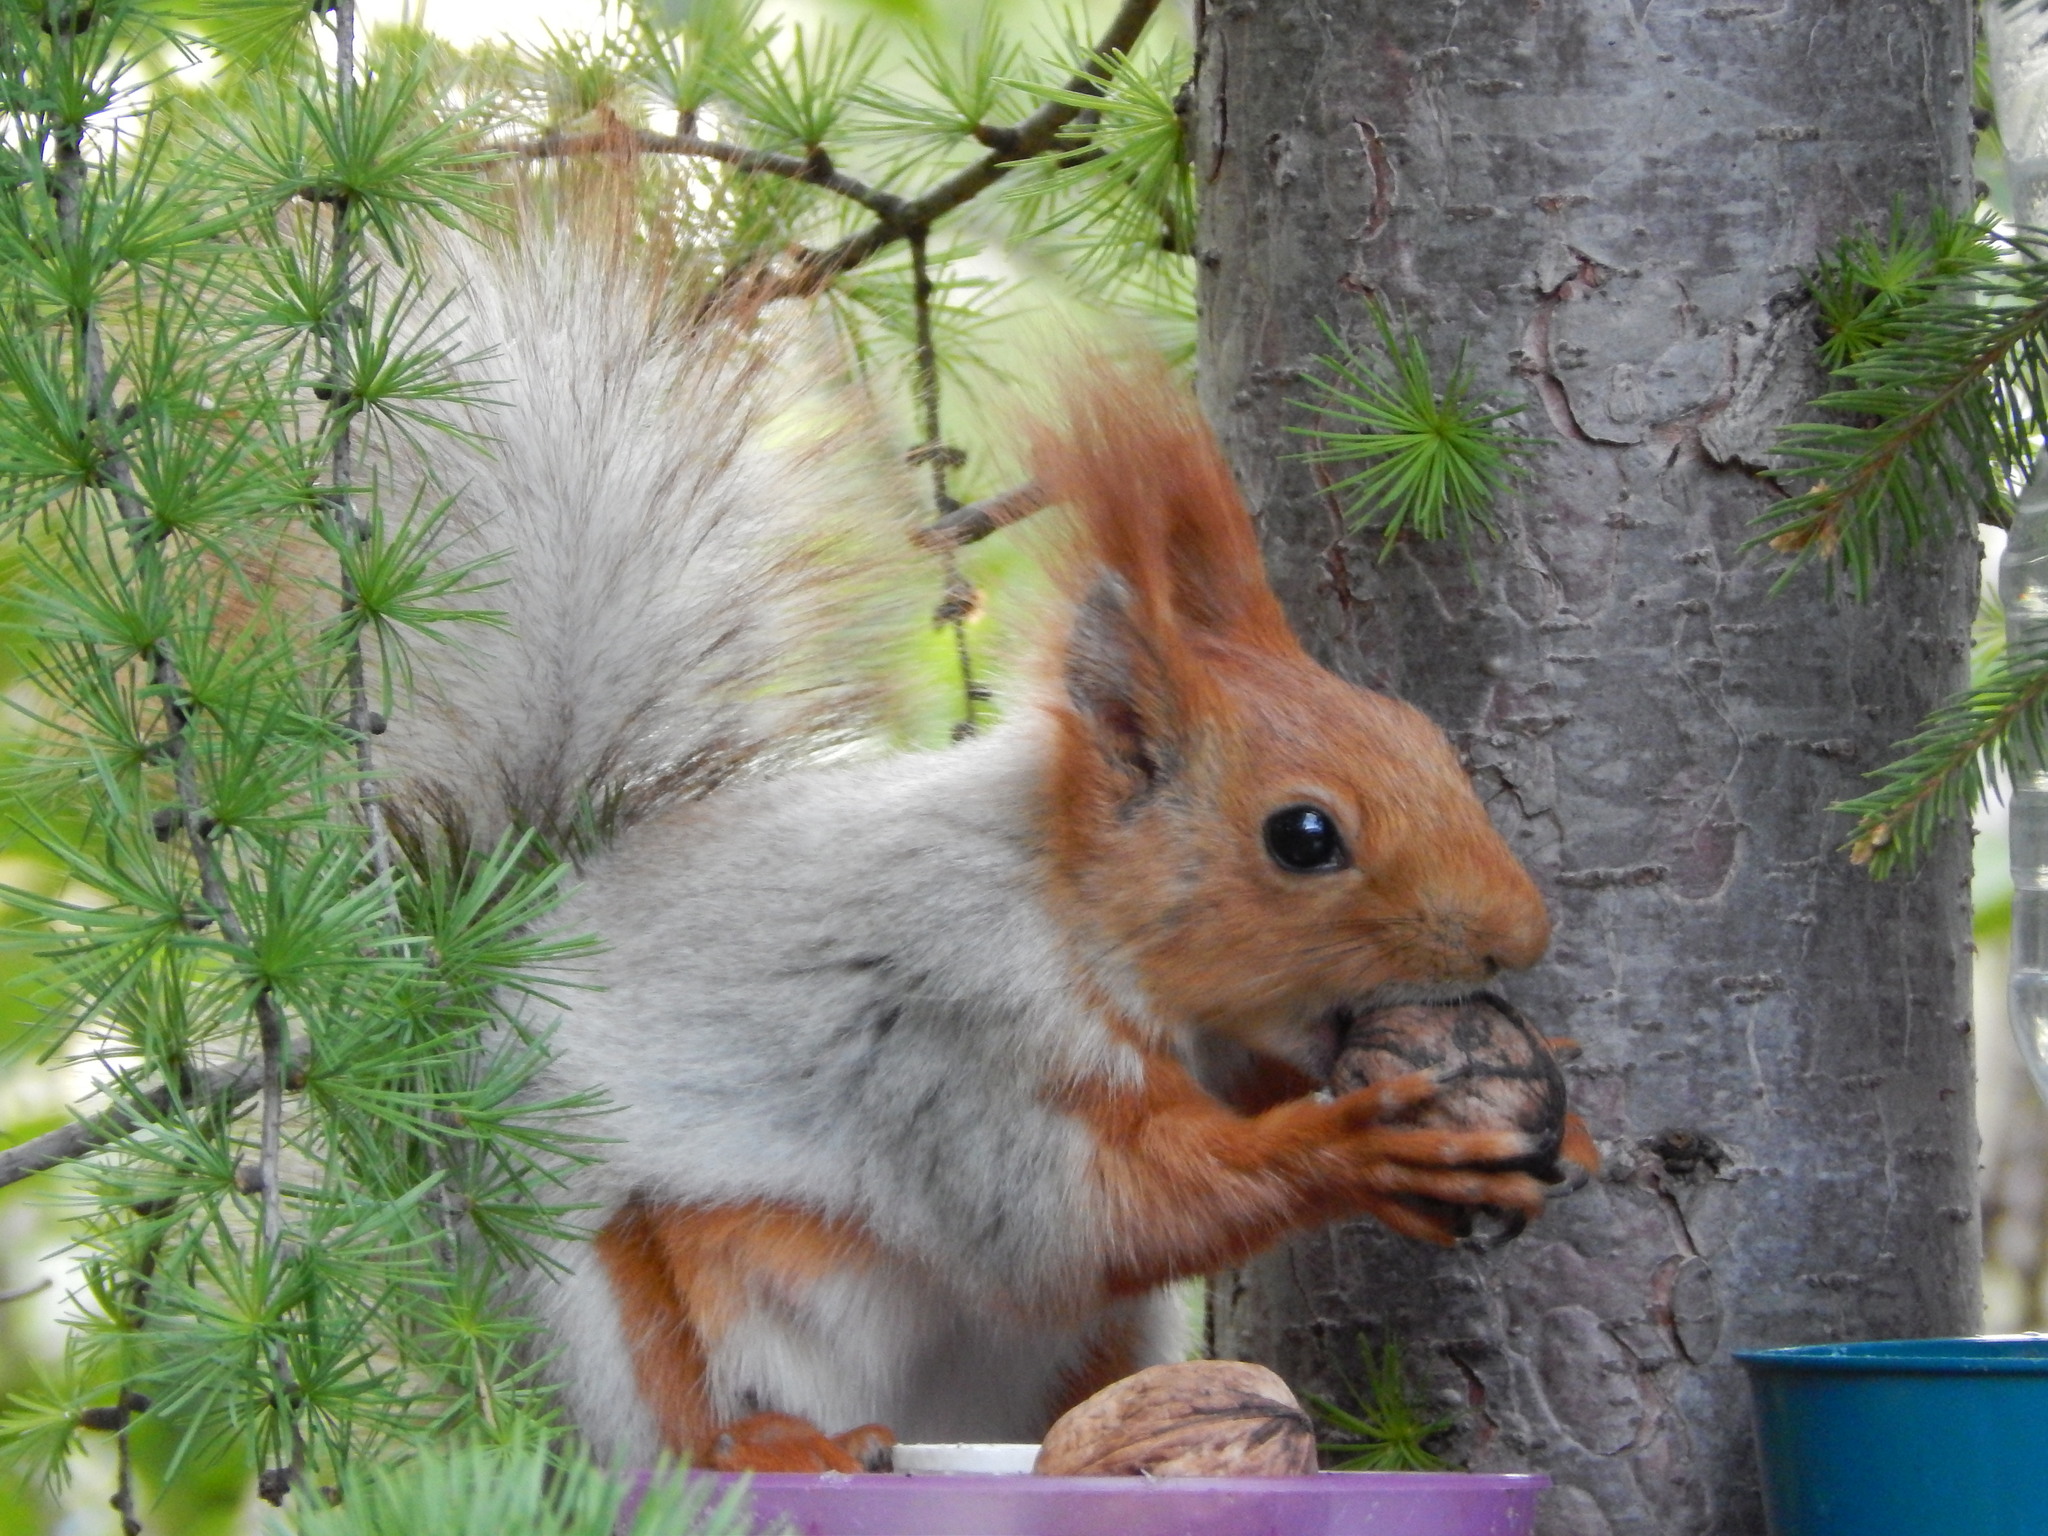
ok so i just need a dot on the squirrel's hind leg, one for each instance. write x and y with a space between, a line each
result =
758 1332
687 1282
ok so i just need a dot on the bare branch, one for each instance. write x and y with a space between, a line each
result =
226 1087
934 454
123 1501
978 519
896 218
816 169
1033 137
349 525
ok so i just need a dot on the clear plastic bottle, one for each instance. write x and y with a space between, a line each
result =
2017 44
2023 588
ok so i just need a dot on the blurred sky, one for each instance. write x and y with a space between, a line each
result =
470 21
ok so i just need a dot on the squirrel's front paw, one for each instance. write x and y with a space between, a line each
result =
782 1442
1429 1182
1389 1122
1495 1072
1494 1076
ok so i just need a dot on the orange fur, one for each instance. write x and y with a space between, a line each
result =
782 1442
1578 1149
1244 723
1189 1187
665 1341
1262 1082
681 1277
1187 715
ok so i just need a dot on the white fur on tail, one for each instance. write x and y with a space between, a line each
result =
675 528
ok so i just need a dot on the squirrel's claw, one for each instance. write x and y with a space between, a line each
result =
1578 1158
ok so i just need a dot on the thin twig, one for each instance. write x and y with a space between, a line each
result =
273 1063
133 1403
275 1483
116 1418
123 1501
816 170
978 519
896 218
225 1088
350 529
935 454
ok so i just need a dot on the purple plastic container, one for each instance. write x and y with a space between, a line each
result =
1329 1504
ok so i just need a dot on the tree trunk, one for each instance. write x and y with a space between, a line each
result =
1609 205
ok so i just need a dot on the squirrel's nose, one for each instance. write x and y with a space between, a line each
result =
1514 930
1496 916
1522 943
1489 914
1495 935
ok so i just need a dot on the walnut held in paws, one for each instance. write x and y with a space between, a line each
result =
1494 1073
1193 1418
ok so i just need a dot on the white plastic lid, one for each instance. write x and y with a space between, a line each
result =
930 1459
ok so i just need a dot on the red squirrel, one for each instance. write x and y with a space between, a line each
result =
929 1070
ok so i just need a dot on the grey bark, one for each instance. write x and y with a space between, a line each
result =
1609 204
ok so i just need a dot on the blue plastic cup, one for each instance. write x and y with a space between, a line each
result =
1906 1437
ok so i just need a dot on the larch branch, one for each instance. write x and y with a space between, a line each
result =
227 1088
817 170
978 519
1033 137
896 218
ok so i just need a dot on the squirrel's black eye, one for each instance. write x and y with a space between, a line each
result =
1305 839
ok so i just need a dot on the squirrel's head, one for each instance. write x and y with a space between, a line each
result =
1256 843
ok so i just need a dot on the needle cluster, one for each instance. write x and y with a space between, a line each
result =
1432 460
1935 338
309 1156
1385 1430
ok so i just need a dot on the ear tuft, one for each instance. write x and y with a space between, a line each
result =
1117 683
1143 473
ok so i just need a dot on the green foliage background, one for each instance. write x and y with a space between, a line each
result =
786 142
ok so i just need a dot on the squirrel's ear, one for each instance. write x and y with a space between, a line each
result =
1160 511
1119 686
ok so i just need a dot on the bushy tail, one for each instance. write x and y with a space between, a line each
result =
699 555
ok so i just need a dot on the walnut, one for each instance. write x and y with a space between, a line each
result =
1495 1072
1195 1418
